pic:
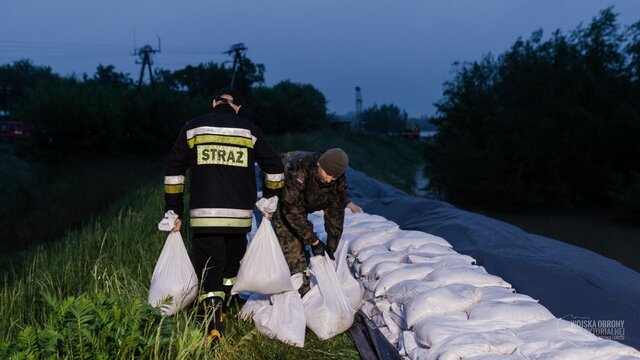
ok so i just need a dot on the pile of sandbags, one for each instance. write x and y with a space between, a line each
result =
434 303
274 303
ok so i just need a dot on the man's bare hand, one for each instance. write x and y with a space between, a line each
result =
177 226
354 208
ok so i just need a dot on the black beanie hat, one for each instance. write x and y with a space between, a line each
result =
334 162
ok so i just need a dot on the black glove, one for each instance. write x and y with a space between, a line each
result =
331 249
318 249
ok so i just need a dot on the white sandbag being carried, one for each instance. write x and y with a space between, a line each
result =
352 288
326 308
445 299
465 275
263 268
414 239
528 311
284 320
174 283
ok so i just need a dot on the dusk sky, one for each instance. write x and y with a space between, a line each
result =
398 52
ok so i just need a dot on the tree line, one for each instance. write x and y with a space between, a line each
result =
105 112
548 123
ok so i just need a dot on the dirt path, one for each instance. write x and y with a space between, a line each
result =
593 230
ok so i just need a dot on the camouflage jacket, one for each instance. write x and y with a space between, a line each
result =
304 193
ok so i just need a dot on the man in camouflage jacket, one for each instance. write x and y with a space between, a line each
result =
312 182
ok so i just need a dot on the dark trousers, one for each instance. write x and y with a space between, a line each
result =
217 256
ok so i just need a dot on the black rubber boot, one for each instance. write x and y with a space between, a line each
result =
212 307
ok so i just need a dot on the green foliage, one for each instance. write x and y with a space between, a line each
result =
201 80
546 124
384 119
22 75
289 107
626 193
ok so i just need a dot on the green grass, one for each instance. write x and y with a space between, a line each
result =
84 296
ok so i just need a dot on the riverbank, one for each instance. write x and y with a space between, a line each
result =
596 230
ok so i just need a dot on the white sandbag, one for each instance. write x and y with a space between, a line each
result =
406 290
492 356
362 218
355 231
364 254
421 258
554 330
374 260
393 331
436 329
383 305
253 303
409 272
440 262
466 345
396 313
353 289
501 294
576 350
434 249
515 311
445 299
174 283
326 307
285 319
368 239
383 268
411 347
370 309
404 241
387 226
263 268
465 275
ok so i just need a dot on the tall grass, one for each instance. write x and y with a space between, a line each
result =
84 297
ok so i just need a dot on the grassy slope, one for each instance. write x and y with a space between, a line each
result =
86 294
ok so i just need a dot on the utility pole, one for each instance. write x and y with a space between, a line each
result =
145 54
237 51
359 121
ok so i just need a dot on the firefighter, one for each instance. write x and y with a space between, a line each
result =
313 181
219 149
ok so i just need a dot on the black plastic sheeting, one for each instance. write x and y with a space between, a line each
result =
369 341
573 283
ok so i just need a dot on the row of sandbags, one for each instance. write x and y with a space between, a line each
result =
434 303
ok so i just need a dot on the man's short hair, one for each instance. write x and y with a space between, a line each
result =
235 94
